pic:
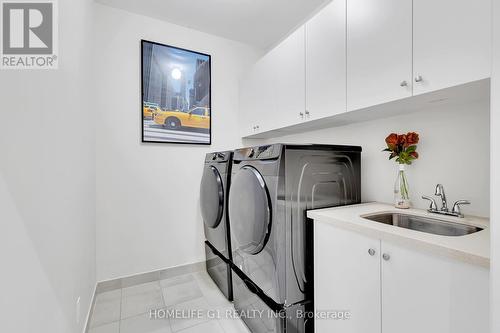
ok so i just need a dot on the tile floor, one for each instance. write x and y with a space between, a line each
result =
127 310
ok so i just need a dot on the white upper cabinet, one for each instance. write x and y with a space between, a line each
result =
272 94
257 98
287 77
451 43
356 54
379 51
248 97
326 62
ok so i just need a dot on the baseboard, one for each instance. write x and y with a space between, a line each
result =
89 312
132 280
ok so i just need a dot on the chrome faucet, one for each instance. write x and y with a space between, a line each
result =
440 193
456 211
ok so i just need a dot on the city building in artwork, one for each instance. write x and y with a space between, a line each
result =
174 93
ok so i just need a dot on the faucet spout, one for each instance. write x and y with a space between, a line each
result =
440 193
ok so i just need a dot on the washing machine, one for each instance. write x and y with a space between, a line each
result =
213 203
272 187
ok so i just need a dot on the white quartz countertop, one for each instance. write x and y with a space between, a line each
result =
473 248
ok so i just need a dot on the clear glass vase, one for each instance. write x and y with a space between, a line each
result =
402 190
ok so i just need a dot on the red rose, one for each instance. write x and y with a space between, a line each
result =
401 139
392 141
411 139
414 154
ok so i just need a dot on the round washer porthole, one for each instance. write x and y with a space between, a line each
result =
211 197
249 210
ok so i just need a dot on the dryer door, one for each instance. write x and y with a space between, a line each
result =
249 210
211 197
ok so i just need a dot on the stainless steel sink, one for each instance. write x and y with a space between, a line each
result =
423 224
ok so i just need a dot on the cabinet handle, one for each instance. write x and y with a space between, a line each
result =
386 257
307 114
371 252
301 115
404 84
418 78
257 127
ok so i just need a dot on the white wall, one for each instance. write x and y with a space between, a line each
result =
495 176
454 150
47 186
147 194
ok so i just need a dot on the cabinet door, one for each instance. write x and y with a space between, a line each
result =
247 96
379 51
326 62
256 98
452 42
286 75
346 277
425 293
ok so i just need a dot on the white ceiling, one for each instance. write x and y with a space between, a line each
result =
261 23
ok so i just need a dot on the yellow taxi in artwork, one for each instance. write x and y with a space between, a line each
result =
198 117
149 110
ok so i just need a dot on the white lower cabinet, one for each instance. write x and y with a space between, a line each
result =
390 288
422 292
346 278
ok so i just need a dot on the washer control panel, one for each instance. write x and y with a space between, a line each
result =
223 156
258 152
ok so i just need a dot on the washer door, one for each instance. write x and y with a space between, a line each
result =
211 197
249 210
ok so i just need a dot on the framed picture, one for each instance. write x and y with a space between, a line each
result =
176 95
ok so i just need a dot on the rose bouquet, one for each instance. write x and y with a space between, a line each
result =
402 147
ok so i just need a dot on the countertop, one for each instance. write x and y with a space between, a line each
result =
473 248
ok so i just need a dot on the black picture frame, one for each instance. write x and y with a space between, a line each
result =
146 139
